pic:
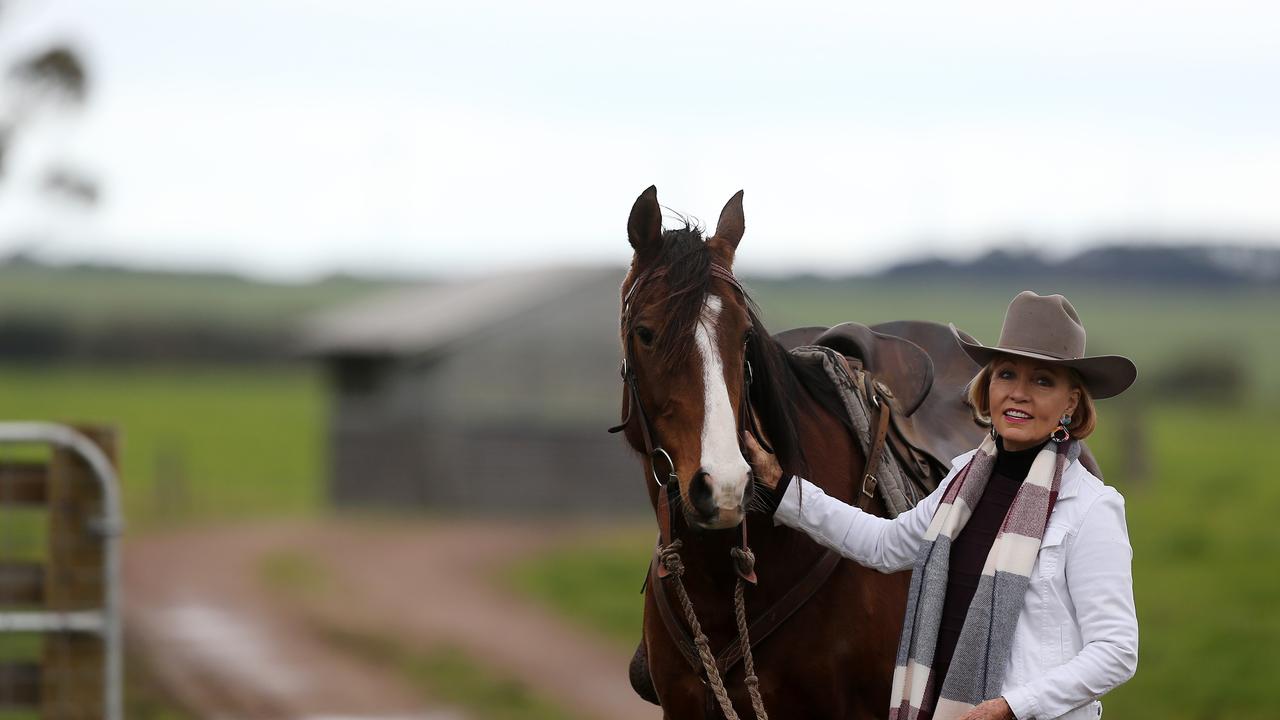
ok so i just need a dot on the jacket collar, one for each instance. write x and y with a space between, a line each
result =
1072 476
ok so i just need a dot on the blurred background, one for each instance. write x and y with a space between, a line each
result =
343 277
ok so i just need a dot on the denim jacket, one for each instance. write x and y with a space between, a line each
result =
1077 633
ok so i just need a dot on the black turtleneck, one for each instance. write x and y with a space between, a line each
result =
970 548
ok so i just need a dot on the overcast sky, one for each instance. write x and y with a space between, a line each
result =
290 138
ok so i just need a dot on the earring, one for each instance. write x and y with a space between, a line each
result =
1061 434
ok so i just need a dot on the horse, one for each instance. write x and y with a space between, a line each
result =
700 370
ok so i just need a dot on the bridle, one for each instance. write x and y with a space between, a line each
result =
667 564
635 408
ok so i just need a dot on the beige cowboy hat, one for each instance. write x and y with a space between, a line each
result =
1046 327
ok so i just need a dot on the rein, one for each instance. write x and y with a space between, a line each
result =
668 564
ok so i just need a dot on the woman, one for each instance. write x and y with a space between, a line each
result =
1021 599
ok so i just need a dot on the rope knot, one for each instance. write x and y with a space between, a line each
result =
744 562
669 555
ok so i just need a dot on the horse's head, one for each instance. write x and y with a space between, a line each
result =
686 325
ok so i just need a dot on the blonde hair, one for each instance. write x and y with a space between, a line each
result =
1083 421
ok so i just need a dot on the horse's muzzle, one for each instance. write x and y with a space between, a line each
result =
703 511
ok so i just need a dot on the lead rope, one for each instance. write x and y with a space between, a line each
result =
745 562
670 555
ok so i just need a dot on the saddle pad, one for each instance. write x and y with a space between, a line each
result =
896 487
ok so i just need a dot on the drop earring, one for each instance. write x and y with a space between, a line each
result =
1061 434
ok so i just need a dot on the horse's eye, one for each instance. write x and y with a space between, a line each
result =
645 335
748 337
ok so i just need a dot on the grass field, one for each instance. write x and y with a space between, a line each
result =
196 442
1204 544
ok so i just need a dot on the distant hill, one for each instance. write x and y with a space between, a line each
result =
1202 265
89 312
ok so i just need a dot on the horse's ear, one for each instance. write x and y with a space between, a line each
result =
644 227
732 224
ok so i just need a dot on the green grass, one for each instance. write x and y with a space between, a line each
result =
1204 547
294 574
20 531
20 647
195 442
598 585
450 675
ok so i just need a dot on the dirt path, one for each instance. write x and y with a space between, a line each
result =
236 648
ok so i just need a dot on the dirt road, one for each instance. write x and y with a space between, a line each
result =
225 638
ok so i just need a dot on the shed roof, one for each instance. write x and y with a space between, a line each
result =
418 320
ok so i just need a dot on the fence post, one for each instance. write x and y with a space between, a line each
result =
73 663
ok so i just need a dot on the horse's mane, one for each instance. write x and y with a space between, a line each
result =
780 379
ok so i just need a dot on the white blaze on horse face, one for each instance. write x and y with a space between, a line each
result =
721 456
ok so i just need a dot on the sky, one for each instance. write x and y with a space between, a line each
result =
289 139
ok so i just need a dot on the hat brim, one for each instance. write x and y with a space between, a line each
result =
1104 375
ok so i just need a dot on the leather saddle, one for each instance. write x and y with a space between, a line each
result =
924 373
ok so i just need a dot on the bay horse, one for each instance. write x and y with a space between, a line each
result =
695 351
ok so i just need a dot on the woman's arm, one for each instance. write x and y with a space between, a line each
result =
879 543
885 545
1100 581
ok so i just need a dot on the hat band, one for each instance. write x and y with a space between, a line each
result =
1037 351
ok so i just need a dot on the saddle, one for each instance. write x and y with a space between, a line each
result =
921 373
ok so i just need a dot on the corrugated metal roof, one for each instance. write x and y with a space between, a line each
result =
421 319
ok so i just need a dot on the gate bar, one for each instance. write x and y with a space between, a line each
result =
109 527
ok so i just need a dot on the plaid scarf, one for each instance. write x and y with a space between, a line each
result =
977 669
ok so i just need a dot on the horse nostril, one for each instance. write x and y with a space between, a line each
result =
700 494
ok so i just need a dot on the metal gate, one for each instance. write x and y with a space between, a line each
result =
70 599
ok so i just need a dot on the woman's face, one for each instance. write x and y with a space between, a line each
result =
1028 398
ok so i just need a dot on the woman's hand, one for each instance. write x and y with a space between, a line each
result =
764 465
996 709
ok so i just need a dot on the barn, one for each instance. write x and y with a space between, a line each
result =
488 394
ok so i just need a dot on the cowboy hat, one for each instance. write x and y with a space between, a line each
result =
1046 327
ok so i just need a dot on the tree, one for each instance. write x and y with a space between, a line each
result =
50 79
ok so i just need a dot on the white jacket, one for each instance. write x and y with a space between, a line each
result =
1077 635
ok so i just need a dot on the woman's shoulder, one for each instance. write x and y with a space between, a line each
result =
1079 481
1084 499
